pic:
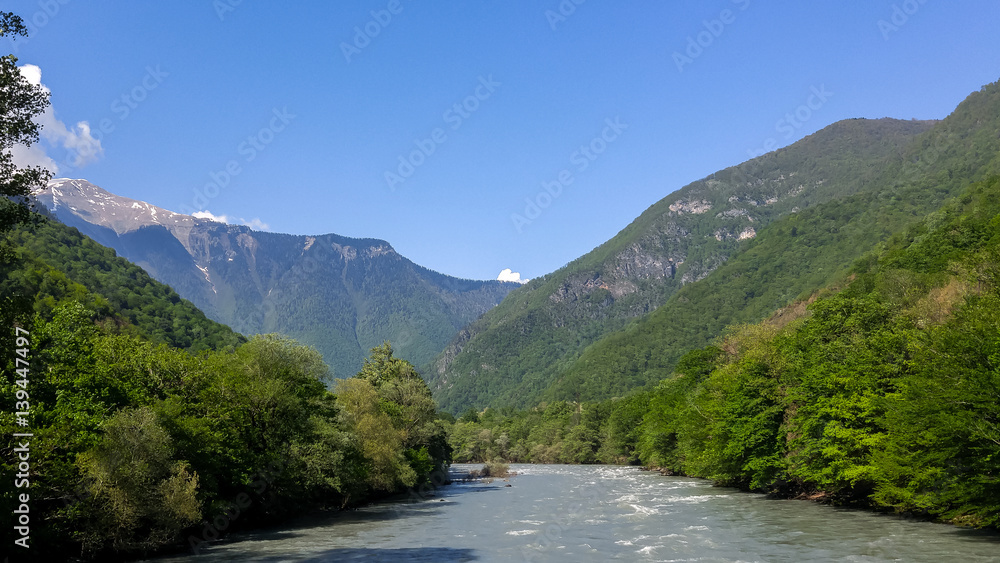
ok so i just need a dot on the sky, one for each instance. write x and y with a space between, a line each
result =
475 137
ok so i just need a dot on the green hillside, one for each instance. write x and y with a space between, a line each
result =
796 255
514 352
54 264
882 394
879 183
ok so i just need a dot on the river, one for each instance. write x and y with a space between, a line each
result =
602 513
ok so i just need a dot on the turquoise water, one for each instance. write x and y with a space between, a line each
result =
602 513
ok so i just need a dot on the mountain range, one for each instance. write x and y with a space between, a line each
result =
341 295
731 248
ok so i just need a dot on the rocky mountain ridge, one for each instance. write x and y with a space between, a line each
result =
342 295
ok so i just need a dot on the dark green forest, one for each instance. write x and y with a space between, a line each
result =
52 263
881 391
139 446
155 428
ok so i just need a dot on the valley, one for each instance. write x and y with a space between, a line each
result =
794 357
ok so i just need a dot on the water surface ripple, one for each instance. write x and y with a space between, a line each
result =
602 513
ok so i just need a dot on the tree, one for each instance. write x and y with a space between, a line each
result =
379 441
20 102
140 497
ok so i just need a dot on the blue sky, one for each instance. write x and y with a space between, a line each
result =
282 113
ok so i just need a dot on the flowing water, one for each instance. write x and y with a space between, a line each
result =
602 513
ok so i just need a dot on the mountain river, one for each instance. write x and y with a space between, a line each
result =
600 513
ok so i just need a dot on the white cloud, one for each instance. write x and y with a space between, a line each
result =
507 275
32 156
254 223
81 147
206 214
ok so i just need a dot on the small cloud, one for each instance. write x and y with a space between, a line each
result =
255 223
206 214
81 147
509 276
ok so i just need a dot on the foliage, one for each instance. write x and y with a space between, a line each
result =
797 255
883 392
138 446
20 103
140 495
528 349
855 184
557 432
55 264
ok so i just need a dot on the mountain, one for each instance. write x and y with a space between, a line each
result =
798 255
729 248
512 354
341 295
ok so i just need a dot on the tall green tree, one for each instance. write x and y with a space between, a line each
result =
20 103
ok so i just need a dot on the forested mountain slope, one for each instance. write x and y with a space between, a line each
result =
797 255
869 184
512 354
54 264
